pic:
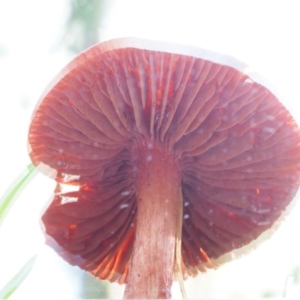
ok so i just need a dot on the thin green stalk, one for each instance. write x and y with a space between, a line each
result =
6 202
11 194
17 280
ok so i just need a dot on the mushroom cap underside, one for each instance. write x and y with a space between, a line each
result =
236 145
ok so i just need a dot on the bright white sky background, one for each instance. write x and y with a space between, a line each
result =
263 33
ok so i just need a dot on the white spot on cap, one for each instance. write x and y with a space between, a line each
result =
186 216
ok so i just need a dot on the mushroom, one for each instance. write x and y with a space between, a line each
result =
157 147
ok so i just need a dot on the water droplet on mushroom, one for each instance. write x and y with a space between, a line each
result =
125 205
269 129
186 216
263 210
149 157
125 193
263 223
186 203
248 80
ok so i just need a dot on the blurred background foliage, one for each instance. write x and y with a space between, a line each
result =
93 288
83 24
292 282
2 50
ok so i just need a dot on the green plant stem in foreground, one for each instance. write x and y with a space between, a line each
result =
17 280
6 202
11 194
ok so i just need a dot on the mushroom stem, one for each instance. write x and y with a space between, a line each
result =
158 200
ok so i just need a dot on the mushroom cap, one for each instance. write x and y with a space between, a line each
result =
236 145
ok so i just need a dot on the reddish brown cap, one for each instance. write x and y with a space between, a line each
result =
235 143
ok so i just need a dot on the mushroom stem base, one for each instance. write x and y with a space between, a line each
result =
158 200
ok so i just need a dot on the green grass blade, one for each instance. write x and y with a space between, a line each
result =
6 202
11 194
16 281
